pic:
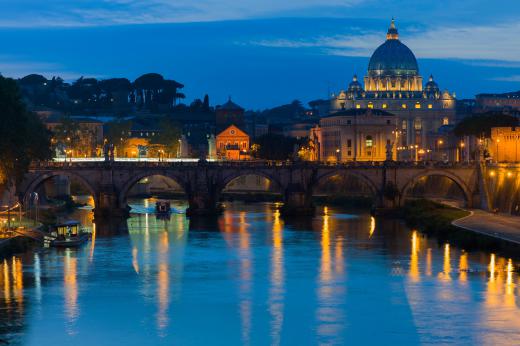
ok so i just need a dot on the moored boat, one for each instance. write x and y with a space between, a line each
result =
68 234
162 207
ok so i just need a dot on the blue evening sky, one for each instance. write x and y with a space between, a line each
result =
262 52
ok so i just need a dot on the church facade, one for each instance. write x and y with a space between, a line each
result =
393 84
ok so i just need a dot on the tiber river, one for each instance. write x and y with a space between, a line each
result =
252 278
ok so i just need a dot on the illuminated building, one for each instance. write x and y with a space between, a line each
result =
232 144
504 145
393 84
356 135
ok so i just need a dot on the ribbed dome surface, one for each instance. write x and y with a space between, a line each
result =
393 58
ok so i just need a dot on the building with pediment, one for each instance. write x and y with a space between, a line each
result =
232 144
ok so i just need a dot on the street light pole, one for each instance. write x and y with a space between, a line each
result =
498 141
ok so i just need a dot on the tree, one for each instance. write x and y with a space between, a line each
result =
274 147
68 133
23 137
480 125
169 136
117 133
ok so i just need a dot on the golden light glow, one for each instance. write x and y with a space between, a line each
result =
370 105
491 268
372 226
93 242
430 106
414 258
418 105
246 274
276 291
71 287
463 267
385 106
325 272
428 270
491 173
509 280
7 282
163 282
403 105
358 106
446 267
135 261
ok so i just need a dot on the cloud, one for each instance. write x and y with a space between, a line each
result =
79 13
512 78
493 44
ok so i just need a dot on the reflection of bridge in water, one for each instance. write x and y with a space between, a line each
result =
389 183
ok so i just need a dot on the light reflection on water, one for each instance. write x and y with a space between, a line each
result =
251 277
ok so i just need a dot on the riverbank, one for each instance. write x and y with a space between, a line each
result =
452 225
13 245
500 226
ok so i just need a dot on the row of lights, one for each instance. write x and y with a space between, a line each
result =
385 106
508 174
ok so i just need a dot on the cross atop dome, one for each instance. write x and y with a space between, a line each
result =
392 33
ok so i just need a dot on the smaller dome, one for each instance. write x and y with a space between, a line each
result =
355 86
431 86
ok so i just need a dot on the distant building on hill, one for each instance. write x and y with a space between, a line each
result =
505 101
229 114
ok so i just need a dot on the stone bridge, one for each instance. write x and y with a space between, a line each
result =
203 182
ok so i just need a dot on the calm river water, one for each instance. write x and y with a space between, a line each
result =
252 278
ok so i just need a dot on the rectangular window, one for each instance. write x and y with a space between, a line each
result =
349 143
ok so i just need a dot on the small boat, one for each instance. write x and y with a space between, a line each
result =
68 234
162 207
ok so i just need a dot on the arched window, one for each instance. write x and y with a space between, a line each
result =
369 142
445 121
417 123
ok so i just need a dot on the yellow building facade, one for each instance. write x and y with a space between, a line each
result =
504 145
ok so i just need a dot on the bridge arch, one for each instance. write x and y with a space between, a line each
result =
133 180
320 179
36 181
229 177
410 184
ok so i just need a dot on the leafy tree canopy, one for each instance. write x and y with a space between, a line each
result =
274 147
33 79
23 137
169 135
480 125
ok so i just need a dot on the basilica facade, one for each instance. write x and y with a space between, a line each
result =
393 84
